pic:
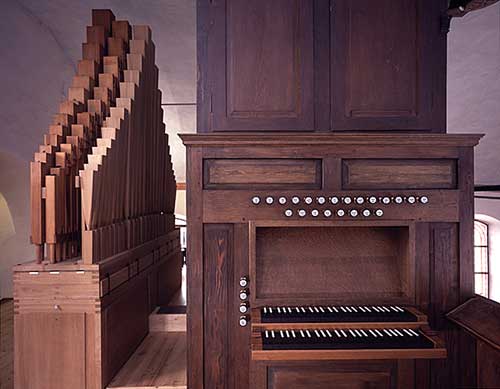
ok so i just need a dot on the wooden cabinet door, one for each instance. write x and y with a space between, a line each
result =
388 67
257 72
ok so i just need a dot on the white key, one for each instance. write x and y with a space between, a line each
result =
267 334
400 309
265 309
348 309
379 333
361 309
387 332
386 309
321 309
354 309
408 332
413 332
337 333
375 309
272 334
311 309
329 333
373 333
343 333
316 309
293 333
398 332
330 309
270 310
364 333
308 333
317 333
287 333
343 310
289 310
281 334
297 309
279 310
335 309
303 309
392 332
352 333
368 309
358 333
394 309
302 334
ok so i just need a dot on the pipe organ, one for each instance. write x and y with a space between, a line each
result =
330 216
102 211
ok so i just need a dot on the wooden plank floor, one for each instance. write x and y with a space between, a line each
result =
159 362
6 344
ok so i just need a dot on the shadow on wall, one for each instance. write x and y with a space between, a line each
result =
15 246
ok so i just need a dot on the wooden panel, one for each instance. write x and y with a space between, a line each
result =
240 348
343 264
121 340
399 174
61 336
195 319
254 87
481 317
342 375
384 57
488 366
444 273
262 173
444 289
218 252
291 378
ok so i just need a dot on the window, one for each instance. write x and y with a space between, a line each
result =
481 258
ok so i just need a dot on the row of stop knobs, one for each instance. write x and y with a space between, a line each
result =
338 212
244 305
256 200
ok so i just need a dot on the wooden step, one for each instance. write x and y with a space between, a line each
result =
167 322
159 362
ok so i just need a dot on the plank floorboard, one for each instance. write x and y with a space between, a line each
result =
159 362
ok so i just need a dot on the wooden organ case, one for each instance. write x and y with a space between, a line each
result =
330 216
102 216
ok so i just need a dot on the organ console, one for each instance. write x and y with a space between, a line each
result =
328 259
102 212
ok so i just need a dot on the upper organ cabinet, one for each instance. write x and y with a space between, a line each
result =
321 65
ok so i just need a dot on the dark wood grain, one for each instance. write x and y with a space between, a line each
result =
262 173
383 58
397 174
251 86
218 258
